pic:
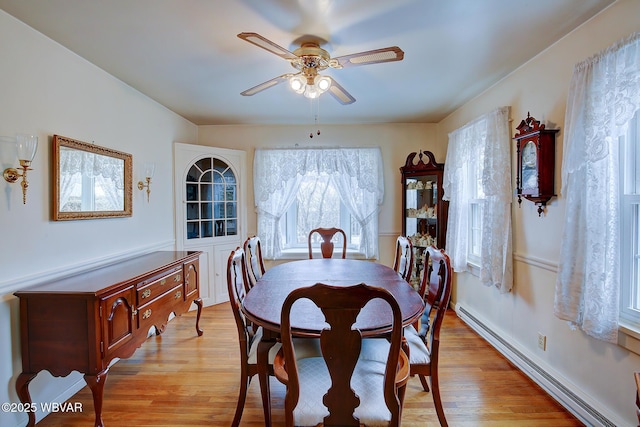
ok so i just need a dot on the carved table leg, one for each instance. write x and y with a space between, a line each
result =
96 384
22 388
198 302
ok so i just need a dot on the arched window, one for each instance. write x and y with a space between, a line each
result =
212 204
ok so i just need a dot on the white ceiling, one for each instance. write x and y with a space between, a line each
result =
185 53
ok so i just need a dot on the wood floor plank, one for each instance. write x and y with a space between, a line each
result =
180 379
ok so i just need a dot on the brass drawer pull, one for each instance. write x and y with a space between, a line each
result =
146 314
163 281
178 294
177 278
146 293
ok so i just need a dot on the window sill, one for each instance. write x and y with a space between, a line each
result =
299 253
473 269
629 337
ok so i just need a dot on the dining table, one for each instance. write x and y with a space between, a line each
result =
262 304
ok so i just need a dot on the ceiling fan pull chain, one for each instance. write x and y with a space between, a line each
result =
311 110
318 115
311 101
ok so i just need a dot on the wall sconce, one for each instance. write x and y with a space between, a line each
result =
149 169
26 146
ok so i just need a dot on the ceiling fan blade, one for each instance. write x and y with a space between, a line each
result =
387 54
258 40
340 93
266 85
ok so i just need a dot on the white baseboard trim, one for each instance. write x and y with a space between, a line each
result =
64 396
67 394
557 387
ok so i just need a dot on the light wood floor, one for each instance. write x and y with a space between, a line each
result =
179 379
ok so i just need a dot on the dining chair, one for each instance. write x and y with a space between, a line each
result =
326 246
423 337
249 335
255 263
424 341
319 389
403 262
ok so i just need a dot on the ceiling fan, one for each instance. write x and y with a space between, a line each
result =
309 59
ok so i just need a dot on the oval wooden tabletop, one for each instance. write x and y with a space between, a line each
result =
263 303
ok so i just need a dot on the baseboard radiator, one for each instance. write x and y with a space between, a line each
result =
567 398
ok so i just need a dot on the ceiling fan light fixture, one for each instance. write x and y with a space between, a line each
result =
311 92
298 83
323 83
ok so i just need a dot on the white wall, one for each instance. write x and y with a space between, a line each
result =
599 373
49 90
395 140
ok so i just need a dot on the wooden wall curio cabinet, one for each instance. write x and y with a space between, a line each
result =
536 153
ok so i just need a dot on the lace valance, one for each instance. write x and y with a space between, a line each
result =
272 168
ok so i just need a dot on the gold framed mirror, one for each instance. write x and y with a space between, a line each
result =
90 181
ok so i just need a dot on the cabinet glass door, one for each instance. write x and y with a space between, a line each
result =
211 199
424 213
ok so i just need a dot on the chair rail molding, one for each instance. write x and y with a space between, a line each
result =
536 262
13 284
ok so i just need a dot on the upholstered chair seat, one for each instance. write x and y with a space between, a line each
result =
367 382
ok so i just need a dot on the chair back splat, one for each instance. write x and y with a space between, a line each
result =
403 263
319 389
326 246
255 262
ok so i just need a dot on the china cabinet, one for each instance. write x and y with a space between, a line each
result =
424 213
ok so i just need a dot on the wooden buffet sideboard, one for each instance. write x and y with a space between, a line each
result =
82 322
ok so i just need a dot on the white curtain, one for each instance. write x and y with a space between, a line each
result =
356 172
486 139
603 96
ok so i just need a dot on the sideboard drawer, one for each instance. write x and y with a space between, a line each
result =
156 312
147 292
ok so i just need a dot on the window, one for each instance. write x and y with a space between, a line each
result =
603 98
318 204
476 201
303 188
477 183
630 213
